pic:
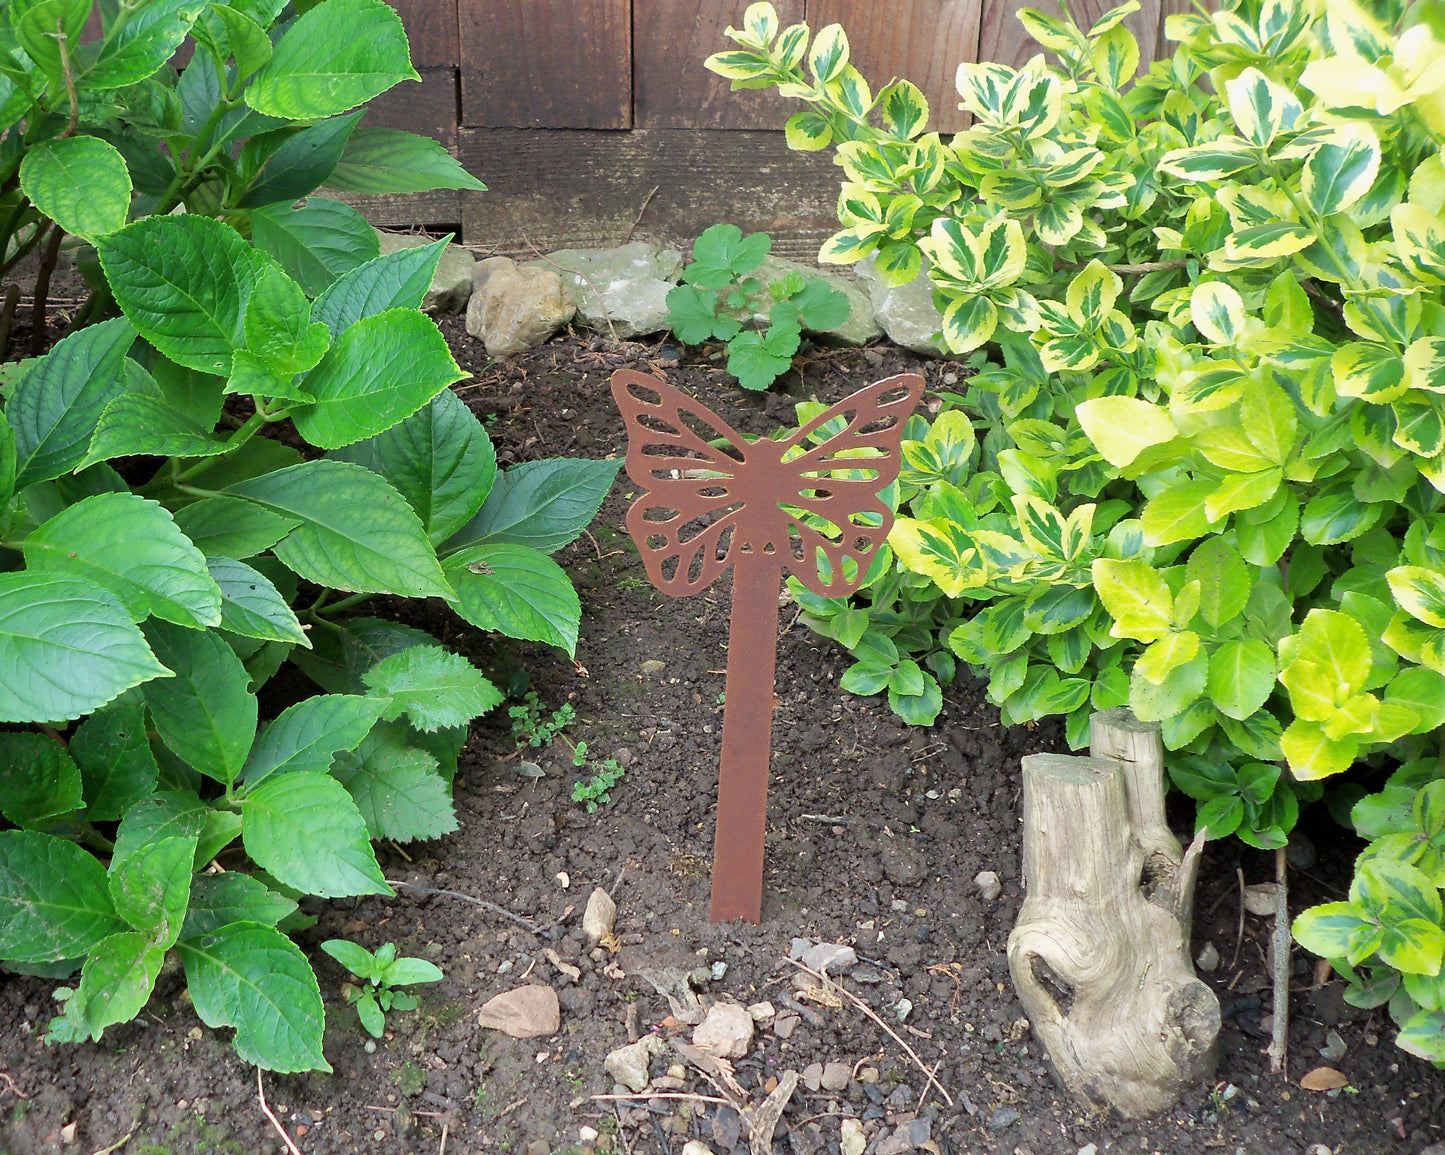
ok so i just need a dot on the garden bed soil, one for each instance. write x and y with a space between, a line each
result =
875 833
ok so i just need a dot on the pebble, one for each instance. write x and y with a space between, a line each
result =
653 666
587 1134
813 1076
1208 960
836 1076
854 1139
719 969
785 1025
829 957
599 917
696 1147
1003 1118
988 885
528 1012
1300 851
908 1136
1088 1149
629 1064
761 1012
727 1127
369 1047
726 1031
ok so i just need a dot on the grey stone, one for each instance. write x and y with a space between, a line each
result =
908 1136
829 957
907 313
451 287
727 1128
798 947
854 1139
528 1012
988 885
836 1076
629 1065
1300 851
858 329
726 1031
628 285
1003 1118
513 310
599 917
813 1076
1208 958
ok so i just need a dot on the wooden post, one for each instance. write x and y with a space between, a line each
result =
1100 964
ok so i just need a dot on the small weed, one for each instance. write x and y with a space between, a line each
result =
380 973
597 790
532 727
410 1078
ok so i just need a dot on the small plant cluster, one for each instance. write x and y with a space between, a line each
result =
719 297
163 554
531 725
380 973
1201 469
597 790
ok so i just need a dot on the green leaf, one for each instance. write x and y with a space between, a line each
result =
1177 513
336 56
218 900
517 591
918 709
136 424
251 606
54 903
355 533
39 781
433 687
80 182
405 972
387 160
54 408
1241 676
279 331
165 814
380 371
354 957
1123 427
1221 816
543 504
1423 1034
756 361
67 647
116 981
304 829
316 243
397 280
131 547
1329 930
1136 596
39 28
308 735
804 131
284 165
183 281
440 459
1223 578
255 979
229 527
1420 592
1312 754
205 714
1155 702
151 888
117 768
397 788
1341 171
144 44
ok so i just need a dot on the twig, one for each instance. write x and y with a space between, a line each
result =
418 1114
637 220
442 1150
7 317
1279 1029
621 1130
275 1122
867 1010
692 1098
606 316
10 1086
483 903
1239 934
121 1142
48 257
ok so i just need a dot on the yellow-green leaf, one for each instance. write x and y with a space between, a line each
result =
1217 311
1242 491
1312 755
1123 427
1136 596
1342 169
1420 592
1368 371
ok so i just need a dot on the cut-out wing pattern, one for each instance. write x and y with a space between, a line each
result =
811 504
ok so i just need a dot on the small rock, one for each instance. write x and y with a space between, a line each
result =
903 1008
696 1147
1088 1149
988 885
512 310
906 312
587 1134
1208 960
854 1138
726 1031
829 957
627 286
528 1012
799 947
599 917
836 1076
785 1025
629 1064
908 1136
813 1076
719 971
539 1147
451 287
1261 898
1003 1118
761 1012
727 1127
653 666
1334 1048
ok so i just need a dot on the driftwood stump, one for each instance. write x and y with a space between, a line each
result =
1100 953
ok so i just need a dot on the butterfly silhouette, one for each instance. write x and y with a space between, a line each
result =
808 502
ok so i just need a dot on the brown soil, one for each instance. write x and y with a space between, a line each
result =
875 832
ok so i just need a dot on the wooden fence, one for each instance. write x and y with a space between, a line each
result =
593 120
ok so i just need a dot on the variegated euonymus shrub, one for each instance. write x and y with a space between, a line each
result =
163 554
1202 469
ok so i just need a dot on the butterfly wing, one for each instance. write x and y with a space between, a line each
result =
687 460
837 522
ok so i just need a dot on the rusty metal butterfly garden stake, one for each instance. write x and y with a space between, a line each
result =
712 501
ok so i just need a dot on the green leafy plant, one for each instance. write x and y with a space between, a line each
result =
597 790
163 553
380 974
719 297
531 725
1200 470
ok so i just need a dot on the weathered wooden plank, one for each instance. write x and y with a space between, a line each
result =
556 189
1003 38
672 89
546 63
919 40
440 210
429 108
431 27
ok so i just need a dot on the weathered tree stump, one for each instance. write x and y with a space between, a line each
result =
1100 953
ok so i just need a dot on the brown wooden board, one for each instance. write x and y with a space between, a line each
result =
919 40
439 210
429 108
546 63
431 26
672 89
1003 38
559 189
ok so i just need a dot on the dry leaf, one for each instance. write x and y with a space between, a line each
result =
822 996
566 968
1324 1079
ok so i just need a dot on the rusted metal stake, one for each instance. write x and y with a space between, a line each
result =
712 501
